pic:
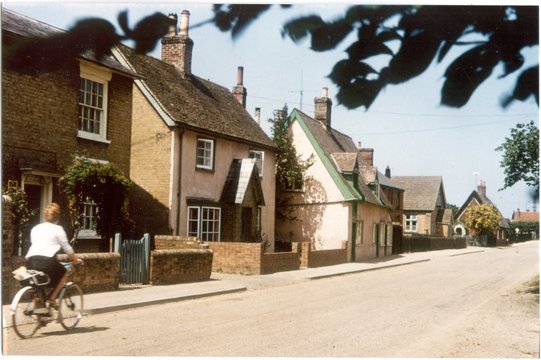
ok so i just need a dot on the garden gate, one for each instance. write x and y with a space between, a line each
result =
134 259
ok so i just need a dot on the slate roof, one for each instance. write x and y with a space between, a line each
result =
421 192
242 173
194 102
333 143
26 27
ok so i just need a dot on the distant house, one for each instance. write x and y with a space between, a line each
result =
479 197
425 204
529 222
200 163
83 107
331 205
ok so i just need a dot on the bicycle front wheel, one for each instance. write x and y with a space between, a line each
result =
25 322
70 308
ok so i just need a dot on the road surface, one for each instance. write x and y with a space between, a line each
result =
474 305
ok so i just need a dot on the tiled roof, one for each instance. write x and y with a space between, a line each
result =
333 142
421 192
27 27
346 161
242 173
194 102
479 198
527 216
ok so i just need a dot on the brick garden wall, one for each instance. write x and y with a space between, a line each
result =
287 261
180 265
165 242
237 258
101 271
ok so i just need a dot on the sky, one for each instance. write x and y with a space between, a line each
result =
406 126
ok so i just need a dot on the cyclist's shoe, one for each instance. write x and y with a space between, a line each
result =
44 311
51 304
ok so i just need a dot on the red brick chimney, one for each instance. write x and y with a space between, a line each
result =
239 91
177 48
367 156
482 188
323 105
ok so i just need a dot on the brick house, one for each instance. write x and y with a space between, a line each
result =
201 165
332 205
479 197
84 107
425 205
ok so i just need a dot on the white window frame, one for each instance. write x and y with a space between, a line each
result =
293 187
98 76
207 159
89 216
204 231
410 223
389 234
382 233
259 157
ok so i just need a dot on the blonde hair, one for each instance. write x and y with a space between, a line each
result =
52 213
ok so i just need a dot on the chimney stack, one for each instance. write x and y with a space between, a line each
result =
482 188
177 48
323 105
239 91
367 156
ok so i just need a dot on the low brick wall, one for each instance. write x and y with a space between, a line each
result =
165 242
237 258
180 265
316 258
101 271
283 261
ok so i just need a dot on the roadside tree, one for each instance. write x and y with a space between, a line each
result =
483 219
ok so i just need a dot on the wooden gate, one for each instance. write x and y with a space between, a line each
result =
134 259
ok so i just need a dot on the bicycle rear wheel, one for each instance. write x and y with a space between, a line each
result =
25 322
70 308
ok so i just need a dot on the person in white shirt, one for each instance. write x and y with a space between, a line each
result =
47 239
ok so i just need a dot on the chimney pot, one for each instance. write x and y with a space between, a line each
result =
173 27
388 172
257 116
240 75
184 23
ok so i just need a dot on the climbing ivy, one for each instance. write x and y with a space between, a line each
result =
21 214
88 180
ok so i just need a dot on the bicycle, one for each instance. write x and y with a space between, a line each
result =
28 308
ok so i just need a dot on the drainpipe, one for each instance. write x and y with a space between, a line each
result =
353 229
179 191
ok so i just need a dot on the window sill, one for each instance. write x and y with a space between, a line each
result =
92 137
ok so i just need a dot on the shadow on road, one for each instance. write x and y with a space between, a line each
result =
77 330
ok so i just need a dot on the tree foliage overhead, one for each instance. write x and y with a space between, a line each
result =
37 55
483 219
520 158
424 33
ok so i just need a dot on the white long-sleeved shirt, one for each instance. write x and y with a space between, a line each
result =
47 239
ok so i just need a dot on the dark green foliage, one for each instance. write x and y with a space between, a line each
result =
424 34
520 159
100 182
289 166
39 55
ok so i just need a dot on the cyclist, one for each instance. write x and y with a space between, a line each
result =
47 239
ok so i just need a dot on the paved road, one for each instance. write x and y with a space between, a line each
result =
444 307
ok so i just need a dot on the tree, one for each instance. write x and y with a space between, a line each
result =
520 158
290 168
489 35
90 181
483 219
38 55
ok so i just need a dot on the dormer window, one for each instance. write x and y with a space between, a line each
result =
93 92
